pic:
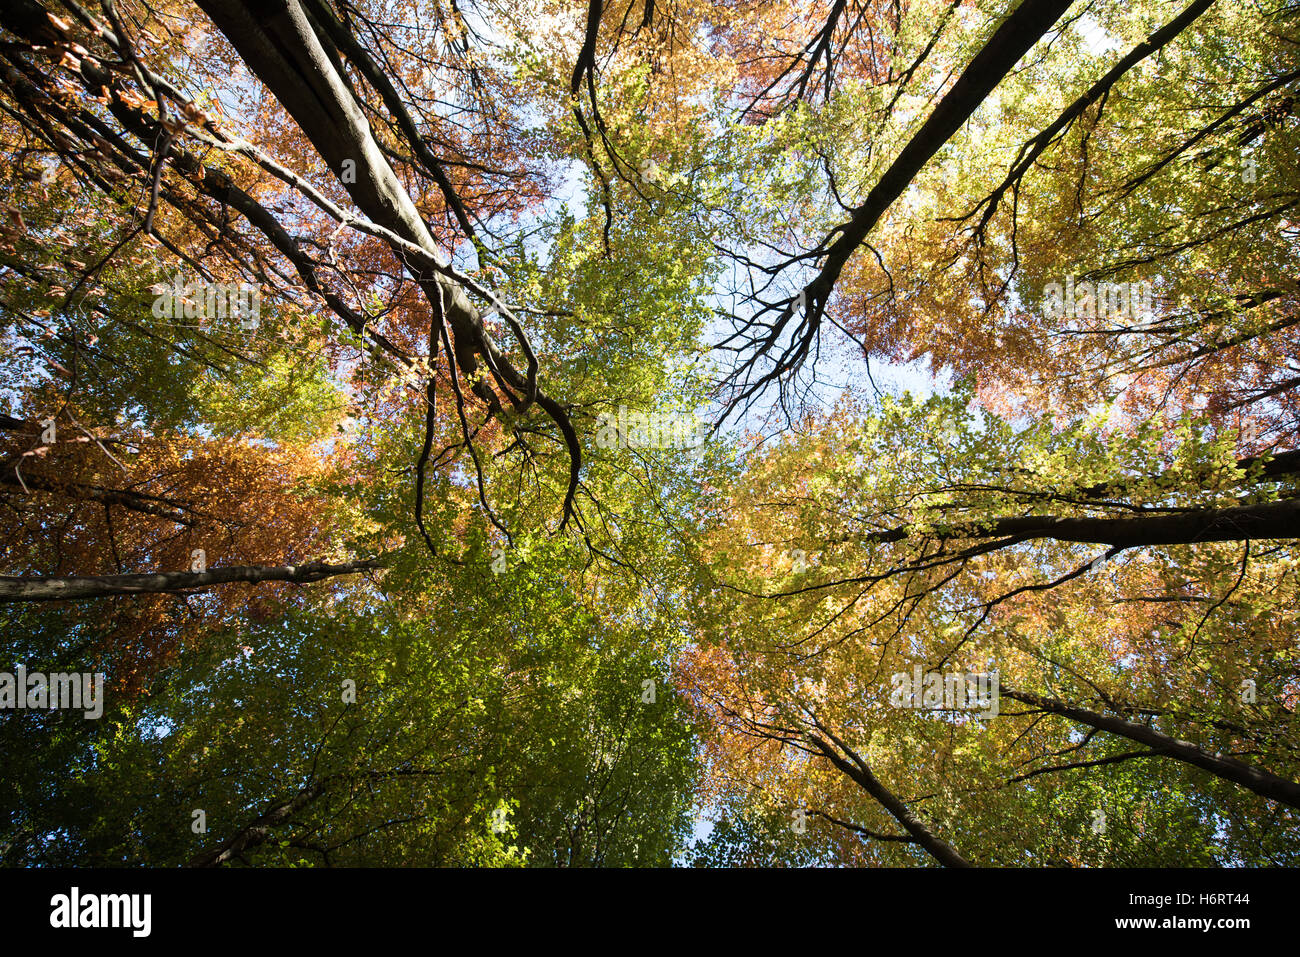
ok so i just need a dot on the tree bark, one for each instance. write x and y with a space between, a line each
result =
1252 778
1267 520
1012 40
1034 148
259 831
135 501
14 588
279 44
861 773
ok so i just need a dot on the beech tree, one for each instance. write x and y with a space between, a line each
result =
356 353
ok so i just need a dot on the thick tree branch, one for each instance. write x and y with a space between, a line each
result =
1252 778
16 588
860 772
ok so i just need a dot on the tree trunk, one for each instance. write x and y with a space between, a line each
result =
1011 41
1267 520
13 588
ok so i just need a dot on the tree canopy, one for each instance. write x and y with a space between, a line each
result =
650 432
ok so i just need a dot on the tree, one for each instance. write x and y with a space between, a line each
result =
858 556
386 338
